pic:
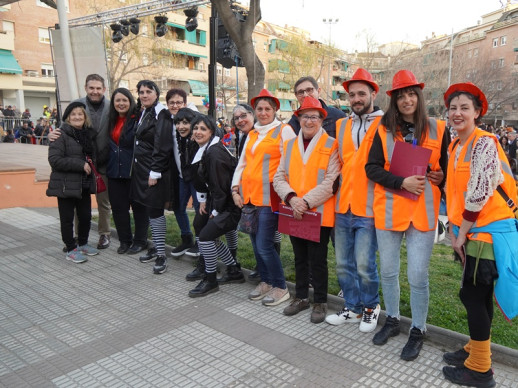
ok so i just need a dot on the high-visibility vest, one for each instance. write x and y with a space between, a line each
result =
394 212
496 207
303 177
261 166
356 190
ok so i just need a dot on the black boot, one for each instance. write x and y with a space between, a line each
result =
390 329
187 242
413 345
464 376
254 276
149 256
197 273
205 287
233 275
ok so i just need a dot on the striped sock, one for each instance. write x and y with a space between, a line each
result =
231 238
209 253
224 254
158 230
277 237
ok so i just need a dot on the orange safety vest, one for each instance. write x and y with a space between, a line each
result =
304 177
394 212
495 208
359 196
261 166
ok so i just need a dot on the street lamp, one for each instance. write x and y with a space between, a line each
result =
330 22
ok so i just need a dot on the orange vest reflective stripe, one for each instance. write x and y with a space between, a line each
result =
261 166
304 177
394 212
456 186
356 191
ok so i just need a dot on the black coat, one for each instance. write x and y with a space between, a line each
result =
121 155
153 152
67 159
215 178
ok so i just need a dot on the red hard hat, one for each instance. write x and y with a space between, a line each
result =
470 88
403 79
361 75
311 103
265 93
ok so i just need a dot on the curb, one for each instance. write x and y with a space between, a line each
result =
448 340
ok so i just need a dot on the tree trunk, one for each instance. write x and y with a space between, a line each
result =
241 34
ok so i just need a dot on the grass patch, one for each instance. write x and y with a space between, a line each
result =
445 308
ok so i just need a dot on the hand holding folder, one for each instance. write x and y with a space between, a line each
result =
308 228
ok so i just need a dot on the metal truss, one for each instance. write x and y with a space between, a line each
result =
153 7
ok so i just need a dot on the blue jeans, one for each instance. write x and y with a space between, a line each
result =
268 260
186 191
419 249
355 250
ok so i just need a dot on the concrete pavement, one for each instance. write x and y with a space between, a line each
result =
111 323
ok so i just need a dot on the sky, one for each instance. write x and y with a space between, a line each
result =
384 20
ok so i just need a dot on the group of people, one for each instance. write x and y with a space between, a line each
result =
322 163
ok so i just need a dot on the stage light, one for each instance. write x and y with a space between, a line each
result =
135 24
191 23
161 28
117 34
125 27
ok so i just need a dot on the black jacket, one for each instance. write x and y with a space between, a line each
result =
121 155
153 152
67 159
329 123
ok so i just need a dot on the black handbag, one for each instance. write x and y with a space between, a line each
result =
248 222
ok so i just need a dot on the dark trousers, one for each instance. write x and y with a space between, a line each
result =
311 257
121 203
478 301
83 208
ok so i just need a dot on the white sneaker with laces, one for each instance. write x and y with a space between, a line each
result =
369 319
343 316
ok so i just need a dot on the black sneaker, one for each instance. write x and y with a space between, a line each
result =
464 376
390 329
193 251
413 345
123 248
136 248
455 358
160 265
149 256
187 242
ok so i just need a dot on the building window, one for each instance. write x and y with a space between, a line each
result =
124 58
227 72
475 52
219 70
145 59
493 64
470 53
143 30
495 42
47 70
501 62
8 26
43 35
201 67
124 83
498 85
503 40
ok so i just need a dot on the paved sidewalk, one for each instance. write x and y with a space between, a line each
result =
111 323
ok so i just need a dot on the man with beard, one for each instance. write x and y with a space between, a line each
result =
355 235
308 86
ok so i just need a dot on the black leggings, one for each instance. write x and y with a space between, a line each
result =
478 301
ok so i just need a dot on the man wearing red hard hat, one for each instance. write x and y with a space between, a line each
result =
355 235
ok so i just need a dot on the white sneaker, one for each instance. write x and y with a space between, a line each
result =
343 316
369 319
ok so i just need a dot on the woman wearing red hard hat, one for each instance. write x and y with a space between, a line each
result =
251 189
479 186
413 216
305 178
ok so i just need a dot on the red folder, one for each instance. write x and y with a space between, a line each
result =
407 160
308 228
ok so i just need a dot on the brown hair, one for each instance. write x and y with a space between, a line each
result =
87 123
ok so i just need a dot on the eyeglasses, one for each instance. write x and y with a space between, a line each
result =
301 92
240 117
175 103
309 118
